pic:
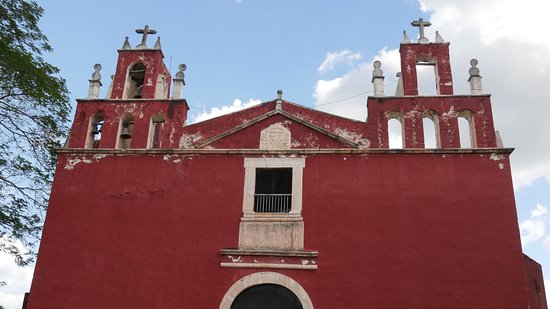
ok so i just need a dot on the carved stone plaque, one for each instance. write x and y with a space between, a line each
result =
275 137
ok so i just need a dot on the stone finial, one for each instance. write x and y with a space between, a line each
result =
399 91
95 83
180 75
421 24
475 79
179 82
145 31
438 38
378 79
279 102
406 39
126 44
157 43
96 75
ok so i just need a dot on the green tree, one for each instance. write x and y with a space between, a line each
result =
34 110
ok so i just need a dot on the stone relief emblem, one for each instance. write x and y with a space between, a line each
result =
275 137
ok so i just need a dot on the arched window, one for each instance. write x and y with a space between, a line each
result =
95 127
155 130
466 129
430 123
134 81
396 136
125 129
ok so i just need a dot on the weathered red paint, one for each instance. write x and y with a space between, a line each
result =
412 228
392 230
174 111
447 109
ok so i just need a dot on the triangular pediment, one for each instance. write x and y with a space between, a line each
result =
271 127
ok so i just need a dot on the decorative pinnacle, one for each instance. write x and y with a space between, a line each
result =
157 43
279 102
438 38
126 44
406 39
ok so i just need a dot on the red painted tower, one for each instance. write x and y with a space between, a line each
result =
282 206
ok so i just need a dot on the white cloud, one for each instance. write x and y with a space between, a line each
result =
533 229
514 59
226 109
539 211
355 84
342 56
17 279
546 245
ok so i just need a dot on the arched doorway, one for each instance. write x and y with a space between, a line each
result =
270 283
266 296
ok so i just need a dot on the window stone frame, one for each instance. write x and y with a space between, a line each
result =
250 166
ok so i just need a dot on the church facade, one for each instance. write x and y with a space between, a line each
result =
279 205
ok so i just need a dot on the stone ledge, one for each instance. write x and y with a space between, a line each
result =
350 151
276 259
298 253
268 265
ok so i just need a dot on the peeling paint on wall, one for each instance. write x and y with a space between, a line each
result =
73 160
496 157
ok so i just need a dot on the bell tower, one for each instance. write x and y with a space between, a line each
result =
137 111
140 71
444 109
428 53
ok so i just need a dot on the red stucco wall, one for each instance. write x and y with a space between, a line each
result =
535 284
393 230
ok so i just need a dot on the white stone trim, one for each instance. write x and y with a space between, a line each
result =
250 165
269 265
265 278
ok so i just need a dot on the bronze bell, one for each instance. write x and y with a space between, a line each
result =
96 128
125 134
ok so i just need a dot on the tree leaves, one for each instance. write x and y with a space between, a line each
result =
34 111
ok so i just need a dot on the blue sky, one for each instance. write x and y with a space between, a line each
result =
239 53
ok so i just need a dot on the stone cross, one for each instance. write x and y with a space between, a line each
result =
145 31
421 24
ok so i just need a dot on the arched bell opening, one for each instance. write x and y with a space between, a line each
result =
156 127
466 129
430 123
134 81
95 127
396 130
125 129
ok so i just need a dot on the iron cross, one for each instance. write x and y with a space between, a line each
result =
145 32
421 24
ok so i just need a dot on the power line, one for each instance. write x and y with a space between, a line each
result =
353 96
326 103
